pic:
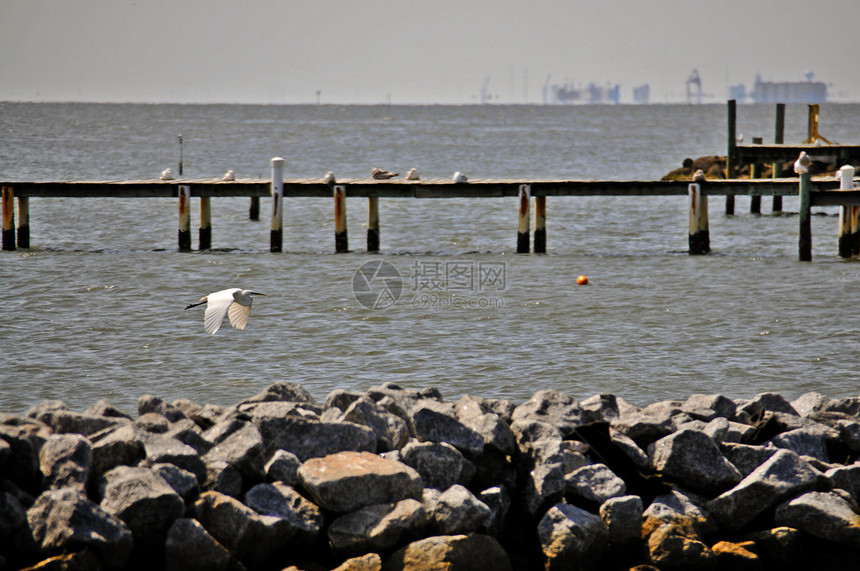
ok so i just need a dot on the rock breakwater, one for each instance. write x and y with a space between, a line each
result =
398 479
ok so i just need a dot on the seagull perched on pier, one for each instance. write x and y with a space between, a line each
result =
460 177
699 176
329 178
233 302
166 174
801 165
413 175
229 175
382 174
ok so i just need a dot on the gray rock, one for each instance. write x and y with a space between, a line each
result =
473 552
808 441
738 432
21 465
223 478
144 501
594 483
679 507
849 434
341 399
811 402
13 516
391 431
648 424
846 478
152 422
748 457
308 410
498 499
105 408
226 426
347 481
283 467
439 464
783 475
457 510
46 406
572 539
675 547
544 486
283 501
493 468
822 514
432 423
631 450
282 391
600 408
477 415
64 520
377 527
752 411
313 439
187 432
160 448
68 422
534 435
189 547
116 447
242 449
693 460
697 405
151 403
65 461
556 408
622 516
182 481
717 429
253 538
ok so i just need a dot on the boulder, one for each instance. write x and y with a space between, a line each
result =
105 408
498 499
677 547
308 438
747 457
242 449
439 464
572 539
554 407
117 446
151 403
736 556
391 431
160 448
594 483
190 547
434 423
347 481
284 392
68 422
622 516
65 461
182 481
472 552
367 562
341 399
679 507
376 527
692 459
809 441
285 502
846 478
456 511
478 415
822 514
283 467
224 478
152 422
706 407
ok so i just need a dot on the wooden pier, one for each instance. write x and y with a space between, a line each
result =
812 192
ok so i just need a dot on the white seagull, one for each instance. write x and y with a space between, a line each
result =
699 176
460 177
801 165
413 175
233 302
229 175
329 178
382 174
166 174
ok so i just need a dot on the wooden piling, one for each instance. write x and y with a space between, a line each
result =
205 237
23 222
755 172
855 230
805 230
276 242
8 218
846 239
778 139
341 242
540 225
184 217
699 239
254 208
523 230
731 151
373 224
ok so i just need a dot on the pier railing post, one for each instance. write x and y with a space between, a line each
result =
184 217
205 234
8 218
699 239
731 151
341 242
778 139
277 238
523 230
846 239
373 224
540 225
805 230
23 222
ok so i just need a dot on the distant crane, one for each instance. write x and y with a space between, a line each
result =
694 88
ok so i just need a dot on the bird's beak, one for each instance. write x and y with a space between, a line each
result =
257 293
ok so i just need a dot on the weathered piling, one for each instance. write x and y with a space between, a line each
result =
373 224
855 230
805 232
778 139
731 151
755 171
184 217
540 225
341 241
523 230
23 222
205 237
254 208
276 242
846 214
699 240
8 218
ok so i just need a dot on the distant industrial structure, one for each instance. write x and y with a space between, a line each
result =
782 91
566 93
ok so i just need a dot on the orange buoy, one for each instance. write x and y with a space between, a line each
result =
582 280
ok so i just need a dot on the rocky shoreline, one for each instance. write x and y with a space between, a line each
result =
395 479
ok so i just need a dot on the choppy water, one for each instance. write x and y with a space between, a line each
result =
95 309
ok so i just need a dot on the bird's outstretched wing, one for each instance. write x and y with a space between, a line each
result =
239 315
216 308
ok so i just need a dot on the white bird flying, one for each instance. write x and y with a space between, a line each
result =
329 178
413 175
229 175
801 165
382 174
166 174
233 302
460 177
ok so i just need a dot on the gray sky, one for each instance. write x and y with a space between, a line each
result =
419 51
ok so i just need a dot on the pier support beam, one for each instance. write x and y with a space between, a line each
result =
700 239
540 225
205 237
523 230
276 241
373 224
755 172
855 230
184 218
778 139
731 151
341 242
24 222
8 218
846 239
804 242
254 208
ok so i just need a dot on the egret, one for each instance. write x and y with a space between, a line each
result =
329 178
233 302
413 175
166 174
460 178
382 174
229 175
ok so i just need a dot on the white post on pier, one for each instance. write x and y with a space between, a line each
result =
846 240
699 239
277 238
184 217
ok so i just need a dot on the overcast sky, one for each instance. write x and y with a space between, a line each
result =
415 51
